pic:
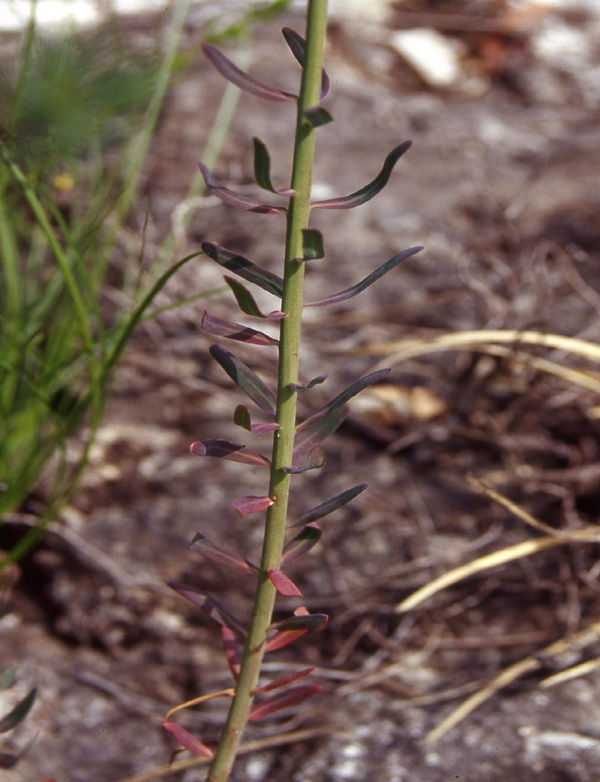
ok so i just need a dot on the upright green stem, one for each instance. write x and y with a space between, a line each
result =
297 220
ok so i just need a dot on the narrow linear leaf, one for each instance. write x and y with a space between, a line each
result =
284 700
316 459
352 390
327 507
316 429
241 417
284 585
285 638
234 452
246 301
247 380
247 505
210 606
300 545
318 116
20 711
312 244
369 191
354 290
226 328
238 200
232 651
300 387
243 267
262 170
285 680
289 630
243 80
187 741
9 759
221 555
297 46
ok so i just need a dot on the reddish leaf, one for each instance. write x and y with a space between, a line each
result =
348 293
316 459
327 507
232 652
233 198
223 449
210 606
244 267
283 584
221 555
262 170
247 505
279 640
249 382
243 80
300 545
297 46
285 680
226 328
187 741
369 191
242 418
284 700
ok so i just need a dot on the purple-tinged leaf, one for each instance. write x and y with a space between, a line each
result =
245 378
243 80
369 191
18 713
316 459
315 430
232 651
347 394
10 759
246 301
318 116
284 700
289 630
247 505
243 267
226 328
234 452
297 46
241 417
221 555
238 200
285 680
210 606
312 244
327 507
348 293
284 585
262 170
187 741
300 387
300 545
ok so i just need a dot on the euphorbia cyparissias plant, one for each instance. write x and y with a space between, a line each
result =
296 447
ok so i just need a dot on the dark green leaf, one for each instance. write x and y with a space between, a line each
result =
300 622
20 711
243 80
245 378
316 429
226 328
300 387
369 191
318 116
210 606
335 298
8 677
297 46
262 170
233 198
327 507
243 267
284 700
312 244
241 417
221 555
234 452
300 545
316 459
246 301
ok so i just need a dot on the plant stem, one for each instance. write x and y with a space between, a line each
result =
297 220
